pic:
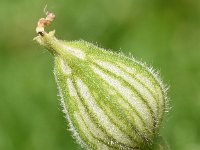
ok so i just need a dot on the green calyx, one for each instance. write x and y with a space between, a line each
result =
110 101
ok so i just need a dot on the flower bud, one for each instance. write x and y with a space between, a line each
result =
110 101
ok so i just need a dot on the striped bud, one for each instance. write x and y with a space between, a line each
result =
110 101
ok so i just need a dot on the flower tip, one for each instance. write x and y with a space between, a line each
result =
43 22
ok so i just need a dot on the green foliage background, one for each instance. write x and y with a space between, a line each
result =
164 33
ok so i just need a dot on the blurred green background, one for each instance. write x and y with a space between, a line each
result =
164 33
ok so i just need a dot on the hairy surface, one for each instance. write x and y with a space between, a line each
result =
110 101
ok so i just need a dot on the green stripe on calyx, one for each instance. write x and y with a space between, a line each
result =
108 108
94 117
129 86
143 130
110 101
109 139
